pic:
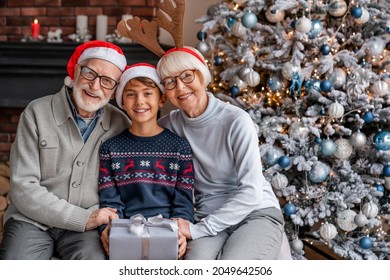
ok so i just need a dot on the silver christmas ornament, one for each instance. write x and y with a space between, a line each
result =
337 8
203 47
328 231
239 30
375 45
288 70
303 25
238 82
343 149
345 220
358 139
318 172
336 110
274 14
387 183
252 79
338 78
370 209
279 181
380 88
243 72
360 220
297 245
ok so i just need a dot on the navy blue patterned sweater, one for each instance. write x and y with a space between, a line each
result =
147 175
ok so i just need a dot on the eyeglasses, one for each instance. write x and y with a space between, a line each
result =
91 75
187 76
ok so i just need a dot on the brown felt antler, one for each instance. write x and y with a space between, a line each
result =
169 16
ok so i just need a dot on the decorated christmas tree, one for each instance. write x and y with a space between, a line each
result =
315 78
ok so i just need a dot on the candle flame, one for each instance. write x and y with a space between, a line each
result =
35 21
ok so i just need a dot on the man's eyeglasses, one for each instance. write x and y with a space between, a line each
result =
90 75
187 76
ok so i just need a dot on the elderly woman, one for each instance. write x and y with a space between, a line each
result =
237 215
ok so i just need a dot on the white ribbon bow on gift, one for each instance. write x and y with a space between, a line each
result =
139 226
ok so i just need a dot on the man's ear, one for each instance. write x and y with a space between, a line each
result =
163 99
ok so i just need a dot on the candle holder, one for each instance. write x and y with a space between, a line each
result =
29 38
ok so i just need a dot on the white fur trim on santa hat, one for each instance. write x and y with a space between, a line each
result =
134 71
106 54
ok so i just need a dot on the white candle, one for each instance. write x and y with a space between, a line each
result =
101 27
123 39
82 25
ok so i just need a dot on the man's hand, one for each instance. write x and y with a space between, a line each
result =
182 246
105 238
100 217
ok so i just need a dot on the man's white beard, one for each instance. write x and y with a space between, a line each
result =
90 105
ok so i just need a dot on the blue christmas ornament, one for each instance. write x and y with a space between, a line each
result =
388 46
386 171
201 35
234 90
275 83
230 21
365 242
293 23
323 111
218 60
316 28
318 140
328 147
368 117
319 172
388 29
271 156
356 12
325 85
382 140
284 161
379 188
249 20
325 49
289 209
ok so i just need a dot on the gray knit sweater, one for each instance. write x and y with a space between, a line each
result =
229 183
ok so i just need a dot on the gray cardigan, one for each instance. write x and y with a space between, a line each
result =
54 174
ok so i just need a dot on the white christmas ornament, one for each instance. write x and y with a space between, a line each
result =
279 181
274 14
358 139
375 45
370 209
364 18
338 78
343 149
239 30
336 110
203 47
297 245
361 220
345 220
328 231
252 78
243 72
380 88
303 25
288 69
337 8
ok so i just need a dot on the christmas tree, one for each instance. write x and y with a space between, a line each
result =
314 77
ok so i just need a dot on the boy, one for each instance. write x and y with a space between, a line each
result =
146 169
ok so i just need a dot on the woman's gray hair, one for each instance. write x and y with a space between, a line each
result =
180 60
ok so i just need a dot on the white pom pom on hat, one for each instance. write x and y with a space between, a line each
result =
133 71
95 49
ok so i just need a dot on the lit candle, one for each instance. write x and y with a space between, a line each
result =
35 26
82 25
101 27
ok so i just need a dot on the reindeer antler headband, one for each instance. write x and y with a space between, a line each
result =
169 16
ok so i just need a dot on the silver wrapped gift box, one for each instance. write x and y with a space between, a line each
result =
138 238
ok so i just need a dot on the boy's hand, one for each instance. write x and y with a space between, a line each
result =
182 246
104 237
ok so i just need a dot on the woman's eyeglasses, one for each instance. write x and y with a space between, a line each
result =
187 76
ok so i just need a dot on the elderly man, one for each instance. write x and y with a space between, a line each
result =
54 206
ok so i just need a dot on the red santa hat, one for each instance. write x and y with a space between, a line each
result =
95 49
133 71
